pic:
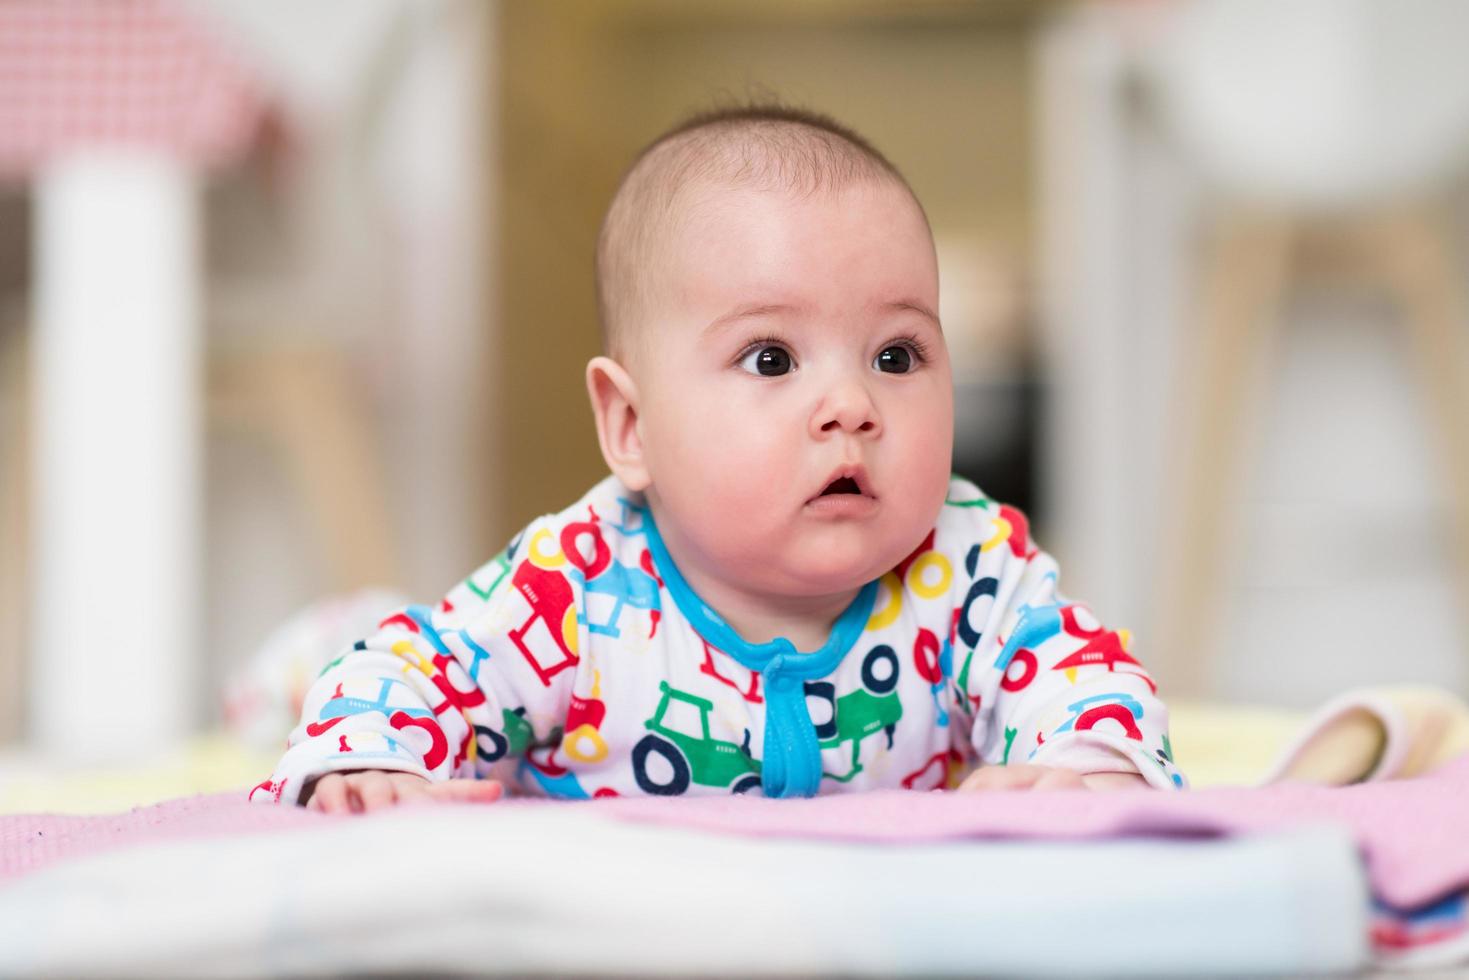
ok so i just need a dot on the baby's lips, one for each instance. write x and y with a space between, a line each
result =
853 472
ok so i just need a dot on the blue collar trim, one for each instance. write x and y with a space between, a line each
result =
791 764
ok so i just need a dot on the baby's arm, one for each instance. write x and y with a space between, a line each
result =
377 712
435 697
1057 699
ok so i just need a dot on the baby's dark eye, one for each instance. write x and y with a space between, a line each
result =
767 361
894 360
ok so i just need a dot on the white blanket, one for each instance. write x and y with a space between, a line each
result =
567 890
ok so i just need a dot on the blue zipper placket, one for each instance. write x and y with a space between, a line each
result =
791 757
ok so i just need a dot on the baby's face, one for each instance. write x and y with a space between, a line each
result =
794 343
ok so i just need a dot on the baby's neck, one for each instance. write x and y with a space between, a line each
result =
759 617
804 620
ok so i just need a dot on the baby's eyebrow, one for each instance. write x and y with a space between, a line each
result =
742 312
770 309
901 305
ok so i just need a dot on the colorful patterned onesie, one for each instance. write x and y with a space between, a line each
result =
578 663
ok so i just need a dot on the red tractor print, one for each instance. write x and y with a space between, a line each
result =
553 607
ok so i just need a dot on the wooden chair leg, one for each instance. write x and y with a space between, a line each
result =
14 541
1241 295
317 415
1415 257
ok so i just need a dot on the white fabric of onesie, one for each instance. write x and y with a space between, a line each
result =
578 663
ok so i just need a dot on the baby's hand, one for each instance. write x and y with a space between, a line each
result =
360 791
1048 777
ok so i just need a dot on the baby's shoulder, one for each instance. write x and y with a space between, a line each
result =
609 523
968 513
603 528
972 523
965 495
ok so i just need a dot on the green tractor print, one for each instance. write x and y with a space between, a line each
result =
492 746
873 707
690 756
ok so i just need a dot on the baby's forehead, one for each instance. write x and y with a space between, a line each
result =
857 252
687 189
709 209
703 209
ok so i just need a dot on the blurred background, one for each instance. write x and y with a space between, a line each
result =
295 300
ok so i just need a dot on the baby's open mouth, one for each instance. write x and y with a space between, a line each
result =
845 485
847 495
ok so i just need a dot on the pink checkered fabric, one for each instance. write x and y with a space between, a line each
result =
76 74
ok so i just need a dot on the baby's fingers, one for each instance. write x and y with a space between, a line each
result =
466 791
1059 779
1022 777
329 794
409 788
1001 777
370 791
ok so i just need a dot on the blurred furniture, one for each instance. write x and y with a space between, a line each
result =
1277 142
301 402
1407 252
363 237
298 401
112 111
1331 131
14 593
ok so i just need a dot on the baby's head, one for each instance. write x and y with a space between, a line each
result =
776 380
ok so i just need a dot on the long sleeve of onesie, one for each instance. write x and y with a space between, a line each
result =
452 690
1040 679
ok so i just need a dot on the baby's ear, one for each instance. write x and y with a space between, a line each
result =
615 405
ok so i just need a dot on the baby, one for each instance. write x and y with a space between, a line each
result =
780 588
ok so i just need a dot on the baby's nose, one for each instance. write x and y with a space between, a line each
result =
847 408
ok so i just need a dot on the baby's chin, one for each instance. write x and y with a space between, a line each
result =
815 573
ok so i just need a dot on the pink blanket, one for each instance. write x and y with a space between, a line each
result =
29 842
1412 832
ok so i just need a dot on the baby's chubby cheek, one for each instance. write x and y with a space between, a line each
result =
701 450
723 486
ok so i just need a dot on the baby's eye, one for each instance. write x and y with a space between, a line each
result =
894 360
767 361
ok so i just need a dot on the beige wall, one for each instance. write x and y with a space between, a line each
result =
942 89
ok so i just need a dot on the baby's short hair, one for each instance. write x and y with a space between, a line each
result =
765 146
